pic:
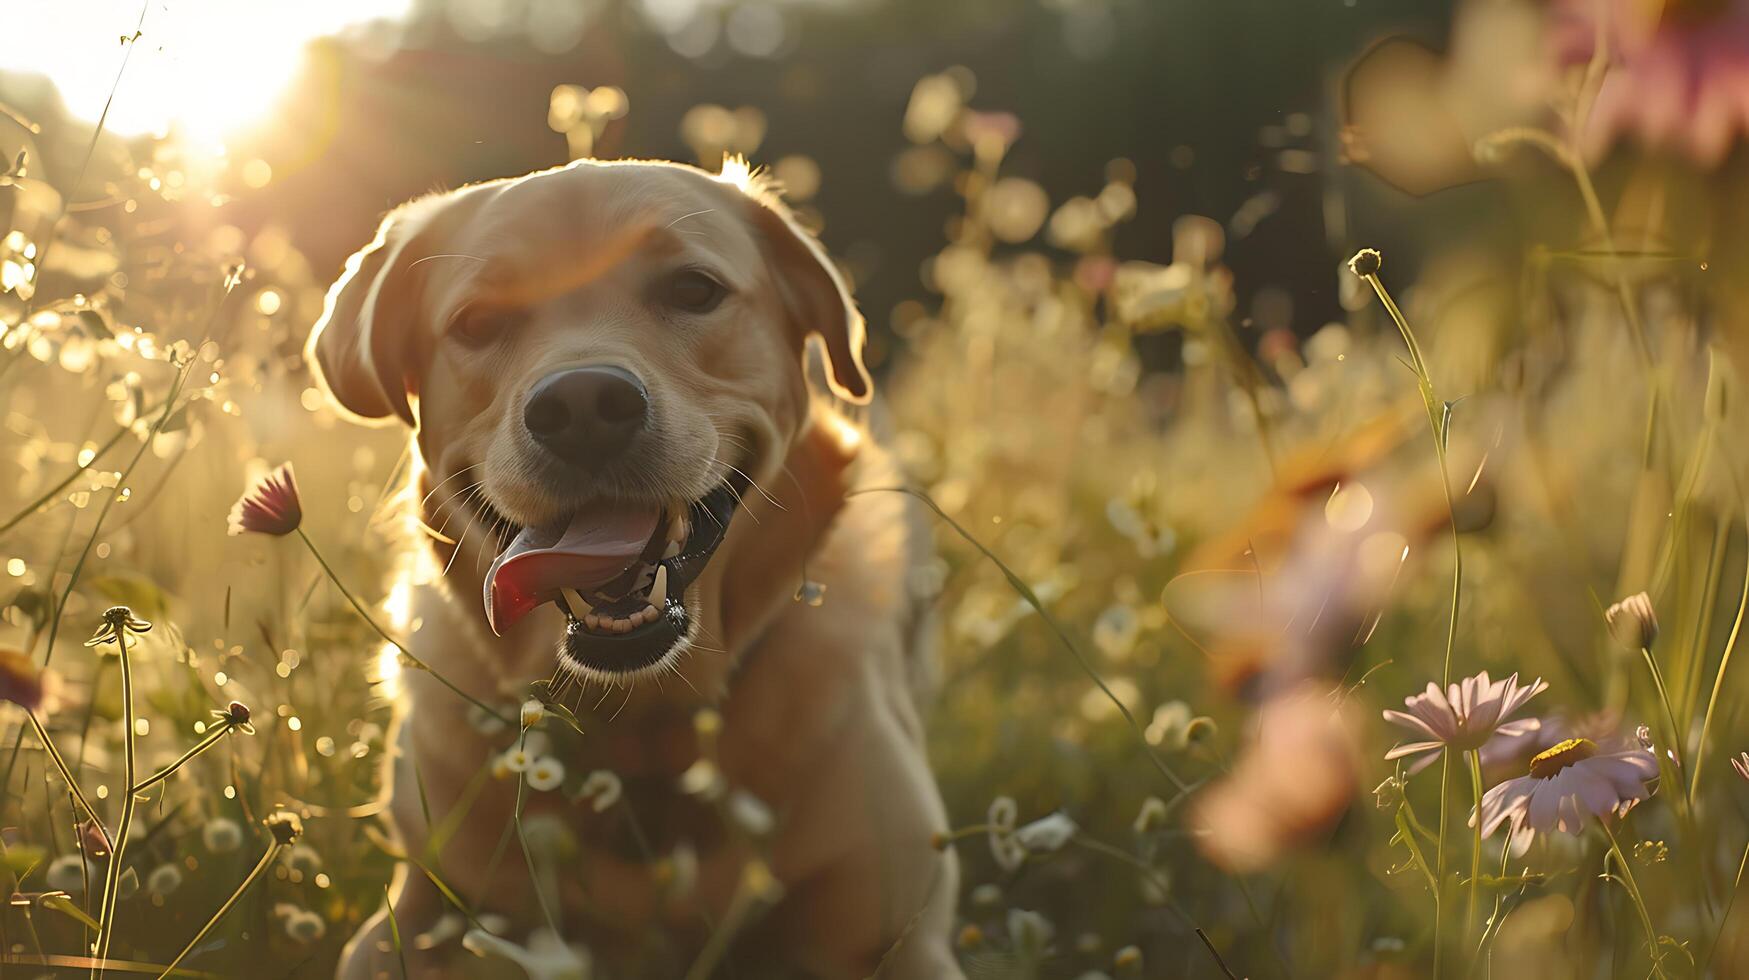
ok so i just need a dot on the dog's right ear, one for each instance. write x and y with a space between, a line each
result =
358 351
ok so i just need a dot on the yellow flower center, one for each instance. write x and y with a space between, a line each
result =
1546 764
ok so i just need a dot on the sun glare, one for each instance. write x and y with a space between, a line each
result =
203 69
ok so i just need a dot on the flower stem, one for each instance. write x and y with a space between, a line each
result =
219 731
1725 916
1675 733
119 845
1439 862
48 744
1439 423
397 644
1633 890
1706 724
261 866
1475 756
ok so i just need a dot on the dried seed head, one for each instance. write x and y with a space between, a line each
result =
1633 622
285 827
1366 262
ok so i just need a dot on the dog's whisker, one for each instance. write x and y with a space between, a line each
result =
451 516
445 255
439 485
622 704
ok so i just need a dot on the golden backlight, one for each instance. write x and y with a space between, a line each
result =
201 69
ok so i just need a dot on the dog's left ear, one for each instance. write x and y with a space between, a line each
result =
818 301
358 350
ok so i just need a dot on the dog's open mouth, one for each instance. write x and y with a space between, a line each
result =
620 571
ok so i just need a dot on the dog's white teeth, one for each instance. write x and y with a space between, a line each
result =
579 607
659 591
670 551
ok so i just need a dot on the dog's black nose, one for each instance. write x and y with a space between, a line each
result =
586 414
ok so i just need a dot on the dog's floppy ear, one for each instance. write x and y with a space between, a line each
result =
358 351
818 301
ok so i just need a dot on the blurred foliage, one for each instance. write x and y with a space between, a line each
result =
1227 504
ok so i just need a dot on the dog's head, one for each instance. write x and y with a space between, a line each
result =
608 354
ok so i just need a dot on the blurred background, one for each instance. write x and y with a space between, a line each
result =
1102 246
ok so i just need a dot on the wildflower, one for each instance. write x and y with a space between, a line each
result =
1675 75
602 789
1170 724
970 937
1295 778
986 895
67 874
1152 815
285 827
1567 783
271 506
1366 262
545 773
702 779
164 880
1128 958
546 957
118 621
1030 932
532 712
1741 764
94 840
235 716
751 813
1008 852
1463 717
20 681
517 759
449 925
301 924
484 721
549 837
1047 834
1388 794
1651 852
304 859
1633 622
221 835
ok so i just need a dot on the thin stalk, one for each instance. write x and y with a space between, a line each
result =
1031 598
54 754
219 731
236 896
1712 701
1438 424
748 894
397 644
119 845
1475 757
1439 862
54 491
1725 916
1663 700
1633 890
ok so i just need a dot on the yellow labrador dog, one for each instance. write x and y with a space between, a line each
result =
604 368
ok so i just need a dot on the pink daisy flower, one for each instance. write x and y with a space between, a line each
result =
270 506
1568 784
1462 717
1678 78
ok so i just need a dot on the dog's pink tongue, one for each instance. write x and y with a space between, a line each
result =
590 549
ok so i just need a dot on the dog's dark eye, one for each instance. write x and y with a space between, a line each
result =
693 291
478 326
